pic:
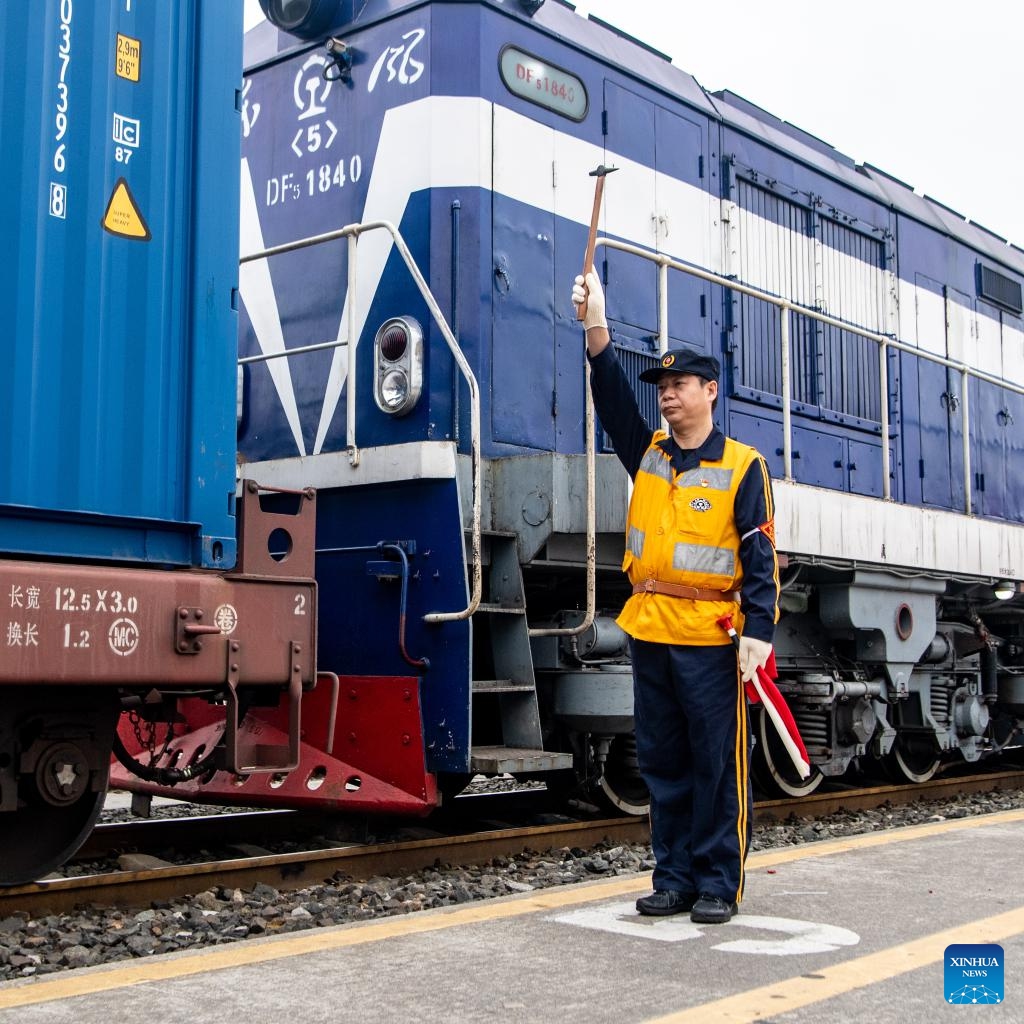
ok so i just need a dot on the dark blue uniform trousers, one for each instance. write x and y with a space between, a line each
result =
693 746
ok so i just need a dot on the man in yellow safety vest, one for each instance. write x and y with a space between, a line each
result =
700 544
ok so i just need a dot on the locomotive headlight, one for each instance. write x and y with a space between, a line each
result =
1004 590
398 365
394 390
306 19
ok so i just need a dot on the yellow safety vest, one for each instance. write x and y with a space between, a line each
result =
680 529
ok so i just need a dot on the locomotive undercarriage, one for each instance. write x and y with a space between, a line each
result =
881 672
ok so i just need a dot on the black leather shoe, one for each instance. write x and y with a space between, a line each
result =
711 910
662 902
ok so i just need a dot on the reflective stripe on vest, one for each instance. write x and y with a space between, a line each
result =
635 541
701 558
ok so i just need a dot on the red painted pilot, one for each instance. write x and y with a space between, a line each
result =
699 538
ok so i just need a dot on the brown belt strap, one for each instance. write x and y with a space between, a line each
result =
680 590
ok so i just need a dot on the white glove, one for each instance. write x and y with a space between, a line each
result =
592 292
753 655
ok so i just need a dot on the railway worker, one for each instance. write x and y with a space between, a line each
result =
699 529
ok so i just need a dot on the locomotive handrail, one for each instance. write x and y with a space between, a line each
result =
590 449
265 357
884 341
352 233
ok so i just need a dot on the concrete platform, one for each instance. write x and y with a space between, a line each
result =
852 930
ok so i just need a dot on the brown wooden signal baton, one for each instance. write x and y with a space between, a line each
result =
601 172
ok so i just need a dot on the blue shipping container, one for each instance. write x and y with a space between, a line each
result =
119 216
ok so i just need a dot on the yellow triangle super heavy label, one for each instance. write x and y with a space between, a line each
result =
123 216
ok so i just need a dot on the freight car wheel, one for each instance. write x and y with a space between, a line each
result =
770 767
40 836
912 760
54 765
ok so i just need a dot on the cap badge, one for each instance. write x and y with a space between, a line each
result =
668 360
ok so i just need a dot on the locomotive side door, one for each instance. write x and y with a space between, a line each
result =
522 286
659 201
939 330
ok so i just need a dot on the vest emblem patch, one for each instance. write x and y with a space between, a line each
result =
700 505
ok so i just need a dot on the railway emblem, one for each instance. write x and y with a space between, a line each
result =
311 89
700 505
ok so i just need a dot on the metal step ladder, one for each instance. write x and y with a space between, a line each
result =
515 689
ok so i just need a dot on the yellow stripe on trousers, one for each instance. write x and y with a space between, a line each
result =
741 776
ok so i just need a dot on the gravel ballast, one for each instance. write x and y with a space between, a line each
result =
97 935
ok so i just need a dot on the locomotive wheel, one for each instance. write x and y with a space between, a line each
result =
621 785
770 765
912 760
39 836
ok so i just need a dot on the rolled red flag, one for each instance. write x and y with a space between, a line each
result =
762 688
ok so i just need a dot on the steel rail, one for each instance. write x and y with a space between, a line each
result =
299 869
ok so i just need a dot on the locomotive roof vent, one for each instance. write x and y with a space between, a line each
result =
999 289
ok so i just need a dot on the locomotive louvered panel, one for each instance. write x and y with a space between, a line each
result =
633 364
841 273
999 289
776 251
776 255
853 289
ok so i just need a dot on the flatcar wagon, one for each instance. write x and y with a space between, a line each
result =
123 581
415 198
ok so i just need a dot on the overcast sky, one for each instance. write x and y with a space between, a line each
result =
930 92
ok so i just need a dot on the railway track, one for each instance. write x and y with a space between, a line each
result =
293 870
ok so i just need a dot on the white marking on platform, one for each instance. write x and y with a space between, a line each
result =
804 936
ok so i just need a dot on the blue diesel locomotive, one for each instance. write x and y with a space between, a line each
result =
415 203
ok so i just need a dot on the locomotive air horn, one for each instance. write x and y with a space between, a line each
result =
601 172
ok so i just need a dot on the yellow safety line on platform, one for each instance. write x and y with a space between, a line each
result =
105 978
769 1001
